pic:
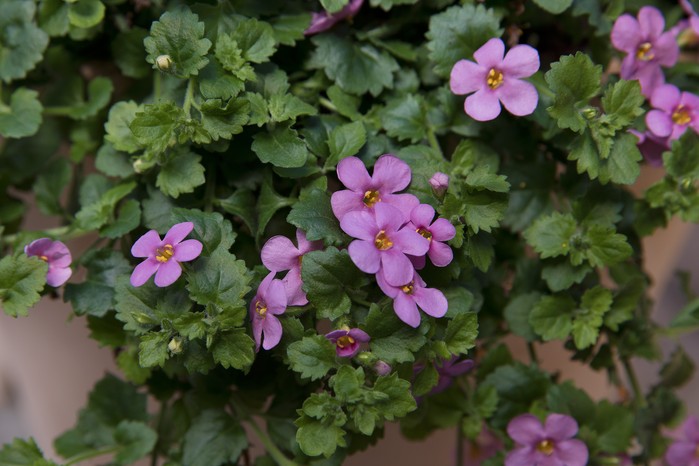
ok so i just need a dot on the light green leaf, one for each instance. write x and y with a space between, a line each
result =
461 333
21 280
117 126
95 296
156 126
550 235
86 13
552 316
333 6
554 6
22 43
22 117
255 39
152 351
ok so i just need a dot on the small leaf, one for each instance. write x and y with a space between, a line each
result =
23 117
213 439
181 173
313 214
312 357
281 147
21 280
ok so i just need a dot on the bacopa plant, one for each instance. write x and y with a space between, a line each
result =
308 219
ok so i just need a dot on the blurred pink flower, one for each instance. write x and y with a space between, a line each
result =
56 255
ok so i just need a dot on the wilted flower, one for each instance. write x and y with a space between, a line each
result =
683 452
56 255
268 303
411 294
323 21
347 341
551 444
435 232
673 112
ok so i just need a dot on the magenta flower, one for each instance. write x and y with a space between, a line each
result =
163 257
323 21
390 175
673 112
435 232
647 47
685 450
439 183
651 147
269 302
56 255
347 341
280 254
382 243
448 370
495 79
410 295
382 368
551 444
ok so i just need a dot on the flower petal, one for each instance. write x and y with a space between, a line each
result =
346 201
257 322
279 254
365 256
304 245
295 296
146 245
397 269
178 232
440 254
659 123
524 456
59 254
526 429
418 262
484 105
391 174
490 54
519 97
626 34
272 329
571 452
651 22
348 351
57 276
144 271
187 250
431 301
411 242
167 273
360 225
650 76
406 310
690 427
390 291
666 50
359 335
38 247
560 427
335 334
275 297
521 61
388 217
666 97
466 77
680 453
422 216
442 230
353 174
403 202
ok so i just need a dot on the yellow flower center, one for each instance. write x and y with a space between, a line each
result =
545 447
382 242
44 258
494 79
681 116
371 197
645 52
344 341
261 308
409 288
164 254
424 233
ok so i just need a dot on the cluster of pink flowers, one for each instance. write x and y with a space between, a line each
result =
393 233
649 48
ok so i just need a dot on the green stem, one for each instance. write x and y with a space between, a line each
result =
90 454
188 97
434 143
271 448
327 104
639 398
459 444
532 353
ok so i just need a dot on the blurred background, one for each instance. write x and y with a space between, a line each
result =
48 363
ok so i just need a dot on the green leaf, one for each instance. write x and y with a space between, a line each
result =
483 210
388 4
129 219
152 351
623 102
333 6
552 316
53 17
555 7
530 193
461 333
119 133
180 35
289 28
313 214
356 69
86 13
21 280
20 453
113 163
398 347
128 52
550 235
574 80
224 121
268 203
398 401
95 296
23 116
345 141
155 127
457 32
230 56
347 105
606 247
209 227
517 386
595 303
563 275
283 107
565 398
181 173
112 400
517 315
136 440
50 184
242 204
255 39
97 213
22 43
312 357
405 118
677 371
234 349
282 147
327 277
615 427
213 439
316 438
99 93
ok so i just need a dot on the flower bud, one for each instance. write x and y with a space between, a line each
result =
163 62
382 368
175 345
439 183
590 113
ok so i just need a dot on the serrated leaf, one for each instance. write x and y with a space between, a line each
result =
213 439
281 147
99 93
255 39
95 296
595 303
156 126
22 43
313 214
312 357
50 184
223 121
398 347
152 351
234 349
623 102
517 314
345 141
550 235
99 212
181 173
21 453
606 246
552 317
136 440
129 54
316 438
461 333
268 203
21 280
405 118
220 283
230 56
563 275
119 133
22 117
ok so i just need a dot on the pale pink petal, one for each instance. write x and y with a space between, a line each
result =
431 301
666 97
694 24
521 61
677 131
390 291
295 295
524 456
304 245
659 123
58 254
626 34
411 242
359 224
273 332
688 99
484 105
391 174
422 216
406 310
346 201
666 49
404 202
650 77
526 429
466 77
519 97
442 230
146 244
365 256
257 322
167 273
57 276
335 334
396 267
187 250
353 174
279 254
275 297
178 232
388 217
681 453
144 271
490 55
560 427
264 285
440 254
629 67
651 21
571 452
38 247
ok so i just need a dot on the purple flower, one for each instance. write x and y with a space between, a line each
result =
323 21
347 341
382 368
549 445
56 255
685 451
439 183
647 47
448 370
279 254
163 257
410 295
495 79
435 232
651 147
390 175
673 112
269 302
383 243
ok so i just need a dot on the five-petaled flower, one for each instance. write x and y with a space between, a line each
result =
685 450
647 47
366 192
435 232
269 302
56 255
673 112
323 21
496 77
551 444
347 341
411 294
163 256
280 254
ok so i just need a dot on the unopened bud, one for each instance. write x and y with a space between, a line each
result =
163 62
175 345
439 183
589 113
382 368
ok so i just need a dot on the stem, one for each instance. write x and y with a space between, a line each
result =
271 448
459 444
532 353
188 97
639 398
161 417
90 454
327 104
434 143
157 86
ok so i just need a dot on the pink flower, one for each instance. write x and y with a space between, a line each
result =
411 294
651 147
390 175
647 47
448 370
280 254
673 112
439 183
435 232
269 302
56 255
382 368
347 341
549 445
323 21
495 79
163 257
382 243
683 452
